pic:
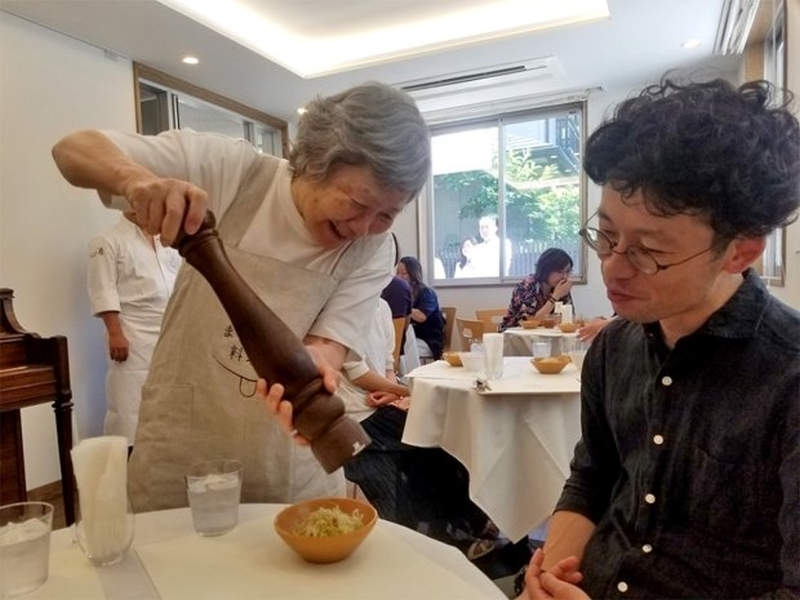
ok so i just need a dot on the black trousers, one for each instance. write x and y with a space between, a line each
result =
424 489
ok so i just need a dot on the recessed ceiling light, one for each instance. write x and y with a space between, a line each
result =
691 43
190 60
309 52
301 110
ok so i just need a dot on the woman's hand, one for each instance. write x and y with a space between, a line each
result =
160 204
562 289
589 331
282 409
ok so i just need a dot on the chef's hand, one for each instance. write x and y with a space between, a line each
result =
382 398
159 204
282 409
118 346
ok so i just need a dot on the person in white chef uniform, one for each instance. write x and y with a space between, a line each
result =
130 279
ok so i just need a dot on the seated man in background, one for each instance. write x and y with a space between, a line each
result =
686 481
421 488
397 292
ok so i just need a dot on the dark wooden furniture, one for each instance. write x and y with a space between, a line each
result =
33 370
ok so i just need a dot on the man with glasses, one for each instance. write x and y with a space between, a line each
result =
686 481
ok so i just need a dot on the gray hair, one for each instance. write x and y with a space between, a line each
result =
372 124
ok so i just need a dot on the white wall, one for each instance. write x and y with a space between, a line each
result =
51 85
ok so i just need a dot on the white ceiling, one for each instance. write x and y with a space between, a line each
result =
312 39
638 43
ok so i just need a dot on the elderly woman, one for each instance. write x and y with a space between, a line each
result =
309 235
537 294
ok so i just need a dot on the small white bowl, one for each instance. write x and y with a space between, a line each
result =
472 361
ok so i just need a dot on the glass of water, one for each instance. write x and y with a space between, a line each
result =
214 488
24 546
541 347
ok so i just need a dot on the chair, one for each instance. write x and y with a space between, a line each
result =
491 317
410 359
449 314
469 332
400 324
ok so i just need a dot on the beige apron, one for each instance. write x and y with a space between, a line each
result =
199 401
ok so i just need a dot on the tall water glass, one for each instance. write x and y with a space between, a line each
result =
24 547
493 355
214 488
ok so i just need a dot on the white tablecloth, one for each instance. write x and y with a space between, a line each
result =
169 561
516 446
517 341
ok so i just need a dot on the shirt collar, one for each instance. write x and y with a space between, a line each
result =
739 317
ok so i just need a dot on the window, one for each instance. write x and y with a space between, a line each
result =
165 102
772 261
505 189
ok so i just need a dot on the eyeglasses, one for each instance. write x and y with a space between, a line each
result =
639 257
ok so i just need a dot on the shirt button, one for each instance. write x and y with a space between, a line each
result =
666 381
658 439
650 498
647 548
622 587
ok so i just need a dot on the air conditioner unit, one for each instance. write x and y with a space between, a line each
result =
536 69
734 26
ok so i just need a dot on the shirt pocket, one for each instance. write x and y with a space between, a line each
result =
721 494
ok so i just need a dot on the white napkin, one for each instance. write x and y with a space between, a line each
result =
101 471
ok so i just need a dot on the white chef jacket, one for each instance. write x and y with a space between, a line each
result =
378 355
128 275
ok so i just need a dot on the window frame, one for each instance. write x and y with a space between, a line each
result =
426 224
150 76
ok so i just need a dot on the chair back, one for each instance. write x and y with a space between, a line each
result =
399 327
469 332
449 314
491 317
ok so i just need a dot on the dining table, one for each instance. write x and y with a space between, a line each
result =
169 561
518 341
515 435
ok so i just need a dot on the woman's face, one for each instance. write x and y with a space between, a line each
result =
556 276
467 247
348 204
402 273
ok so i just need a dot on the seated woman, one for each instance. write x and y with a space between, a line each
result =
425 314
537 294
421 488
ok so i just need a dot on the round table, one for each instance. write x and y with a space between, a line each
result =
168 561
515 439
518 341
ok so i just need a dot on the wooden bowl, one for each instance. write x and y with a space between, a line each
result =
550 365
530 323
551 321
568 327
326 549
453 358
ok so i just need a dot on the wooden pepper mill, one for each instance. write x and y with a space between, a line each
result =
275 352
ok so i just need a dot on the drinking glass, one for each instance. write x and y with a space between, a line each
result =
24 546
214 488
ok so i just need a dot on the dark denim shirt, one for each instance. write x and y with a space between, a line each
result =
689 462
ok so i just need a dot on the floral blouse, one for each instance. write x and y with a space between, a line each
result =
527 299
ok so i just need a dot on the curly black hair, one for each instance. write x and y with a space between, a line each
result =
708 149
